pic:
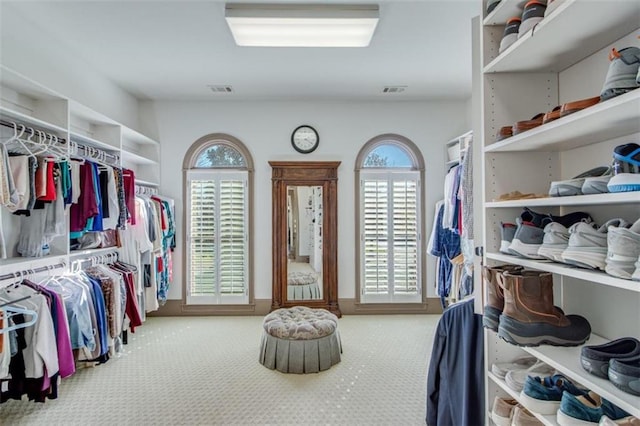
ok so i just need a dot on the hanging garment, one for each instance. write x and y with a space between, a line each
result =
446 246
19 166
455 382
8 194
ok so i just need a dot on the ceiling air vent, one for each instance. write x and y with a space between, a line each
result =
394 89
221 88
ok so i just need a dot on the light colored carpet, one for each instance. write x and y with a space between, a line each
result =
205 371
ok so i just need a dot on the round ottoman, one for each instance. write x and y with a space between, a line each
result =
300 340
302 286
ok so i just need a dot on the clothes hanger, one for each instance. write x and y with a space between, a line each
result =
14 310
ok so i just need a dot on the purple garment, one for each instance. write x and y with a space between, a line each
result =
87 205
66 363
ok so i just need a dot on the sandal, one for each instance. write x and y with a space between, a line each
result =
554 114
575 106
523 126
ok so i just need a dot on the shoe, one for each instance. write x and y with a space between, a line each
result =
552 115
554 242
626 158
523 417
543 395
527 240
510 34
575 106
500 369
507 231
495 297
626 421
504 133
595 359
532 14
597 185
491 4
529 317
622 75
523 126
556 235
588 244
564 188
624 373
623 250
624 182
502 411
586 409
515 379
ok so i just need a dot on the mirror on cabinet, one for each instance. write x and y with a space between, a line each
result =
305 234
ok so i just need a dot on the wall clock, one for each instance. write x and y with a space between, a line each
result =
305 139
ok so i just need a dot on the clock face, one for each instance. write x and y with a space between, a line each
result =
305 139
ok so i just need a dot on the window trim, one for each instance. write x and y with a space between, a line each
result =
360 170
188 165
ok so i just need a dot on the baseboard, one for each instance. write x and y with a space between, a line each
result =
261 307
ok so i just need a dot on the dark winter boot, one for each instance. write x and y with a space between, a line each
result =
529 317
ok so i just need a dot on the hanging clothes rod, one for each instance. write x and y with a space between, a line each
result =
30 130
32 271
142 189
94 154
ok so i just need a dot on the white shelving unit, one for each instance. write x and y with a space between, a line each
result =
27 102
455 148
564 59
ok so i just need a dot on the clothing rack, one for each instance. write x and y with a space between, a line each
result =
98 259
12 125
145 190
94 154
27 272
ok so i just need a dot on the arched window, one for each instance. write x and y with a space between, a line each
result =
389 170
218 170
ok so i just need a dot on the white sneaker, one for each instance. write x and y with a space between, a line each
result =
636 274
588 245
555 241
623 250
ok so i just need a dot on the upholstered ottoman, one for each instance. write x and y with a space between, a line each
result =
300 340
302 286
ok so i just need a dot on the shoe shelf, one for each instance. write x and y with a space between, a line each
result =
607 120
546 420
576 200
571 33
567 361
568 271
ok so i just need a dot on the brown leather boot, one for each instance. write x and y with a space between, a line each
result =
494 299
529 317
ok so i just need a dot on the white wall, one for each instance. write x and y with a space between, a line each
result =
36 54
265 128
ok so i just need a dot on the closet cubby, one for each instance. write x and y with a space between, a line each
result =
564 59
24 101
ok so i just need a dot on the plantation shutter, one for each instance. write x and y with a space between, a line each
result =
218 237
390 238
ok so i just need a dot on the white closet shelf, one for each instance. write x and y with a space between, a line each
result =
27 86
30 121
572 32
576 200
21 263
546 420
503 11
567 361
137 137
613 118
569 271
136 158
86 140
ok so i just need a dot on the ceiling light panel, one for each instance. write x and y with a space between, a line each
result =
302 25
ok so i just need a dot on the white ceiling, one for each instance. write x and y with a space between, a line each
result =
175 49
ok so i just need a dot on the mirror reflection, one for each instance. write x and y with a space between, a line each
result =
304 242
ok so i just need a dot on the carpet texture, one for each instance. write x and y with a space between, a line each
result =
205 371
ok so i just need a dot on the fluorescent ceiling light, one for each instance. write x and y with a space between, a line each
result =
302 25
